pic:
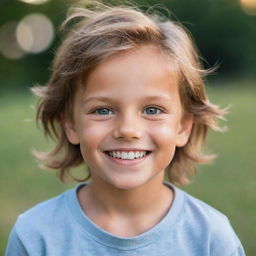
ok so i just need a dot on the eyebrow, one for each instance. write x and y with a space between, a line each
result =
98 98
106 99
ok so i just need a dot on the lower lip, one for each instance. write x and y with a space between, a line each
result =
127 162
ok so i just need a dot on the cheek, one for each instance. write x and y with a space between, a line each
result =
91 131
164 138
91 137
163 133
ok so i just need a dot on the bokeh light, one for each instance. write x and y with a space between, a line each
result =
35 33
9 46
249 6
34 1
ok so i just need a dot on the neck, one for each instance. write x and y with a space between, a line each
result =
110 200
126 212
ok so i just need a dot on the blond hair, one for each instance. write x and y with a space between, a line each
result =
95 34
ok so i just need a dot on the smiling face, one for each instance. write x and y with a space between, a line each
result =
128 119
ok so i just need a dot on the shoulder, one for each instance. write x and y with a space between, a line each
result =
42 216
210 224
44 208
197 211
197 208
36 228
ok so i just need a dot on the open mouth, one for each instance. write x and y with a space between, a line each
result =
128 155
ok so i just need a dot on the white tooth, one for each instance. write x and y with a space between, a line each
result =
124 155
131 155
127 155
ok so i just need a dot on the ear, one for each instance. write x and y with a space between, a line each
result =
185 129
71 132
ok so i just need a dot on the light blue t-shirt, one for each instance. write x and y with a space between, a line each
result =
59 227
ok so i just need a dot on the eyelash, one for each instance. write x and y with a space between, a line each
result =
94 111
158 109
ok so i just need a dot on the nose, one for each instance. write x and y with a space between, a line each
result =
128 127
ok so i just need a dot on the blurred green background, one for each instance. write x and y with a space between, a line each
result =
225 33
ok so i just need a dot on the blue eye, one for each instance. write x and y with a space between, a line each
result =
152 111
103 111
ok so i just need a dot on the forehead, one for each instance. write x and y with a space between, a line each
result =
146 69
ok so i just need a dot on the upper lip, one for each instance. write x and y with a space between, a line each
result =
128 149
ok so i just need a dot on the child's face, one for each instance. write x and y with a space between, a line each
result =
129 119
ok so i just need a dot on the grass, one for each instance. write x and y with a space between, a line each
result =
229 184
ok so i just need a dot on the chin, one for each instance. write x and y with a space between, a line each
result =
128 184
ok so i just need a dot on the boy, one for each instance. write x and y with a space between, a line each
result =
126 97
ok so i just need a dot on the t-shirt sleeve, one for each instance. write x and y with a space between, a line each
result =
15 246
226 242
239 251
